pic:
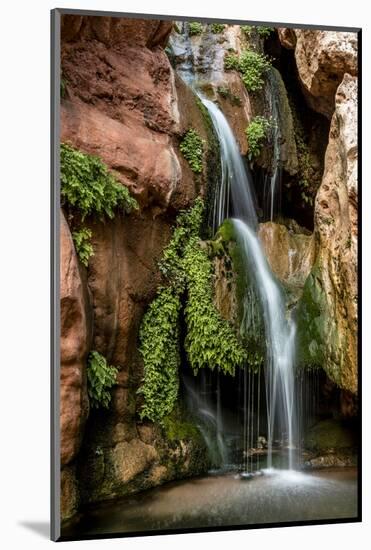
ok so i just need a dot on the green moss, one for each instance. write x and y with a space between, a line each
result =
195 28
88 187
329 434
192 147
176 427
226 232
311 321
251 65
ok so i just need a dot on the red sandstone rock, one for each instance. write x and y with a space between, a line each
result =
75 342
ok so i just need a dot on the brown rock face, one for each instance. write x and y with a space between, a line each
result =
122 104
322 59
336 233
287 38
132 458
290 255
75 343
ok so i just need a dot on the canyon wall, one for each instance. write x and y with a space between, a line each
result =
124 102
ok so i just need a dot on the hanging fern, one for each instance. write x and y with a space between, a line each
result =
159 346
89 187
210 340
101 378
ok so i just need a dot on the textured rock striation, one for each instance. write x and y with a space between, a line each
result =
329 307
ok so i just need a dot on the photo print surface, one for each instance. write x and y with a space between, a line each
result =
206 201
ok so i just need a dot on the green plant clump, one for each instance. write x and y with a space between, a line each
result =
101 378
195 28
217 28
210 341
159 346
84 248
252 66
192 147
88 186
262 31
231 61
256 133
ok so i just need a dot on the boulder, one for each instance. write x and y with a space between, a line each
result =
322 59
290 254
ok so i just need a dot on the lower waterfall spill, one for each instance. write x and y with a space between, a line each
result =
234 196
279 331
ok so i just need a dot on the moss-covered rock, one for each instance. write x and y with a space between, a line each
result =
235 294
328 435
312 317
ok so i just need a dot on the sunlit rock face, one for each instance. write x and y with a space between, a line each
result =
322 59
329 310
290 253
203 56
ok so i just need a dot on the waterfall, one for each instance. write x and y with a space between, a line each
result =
235 196
272 183
279 331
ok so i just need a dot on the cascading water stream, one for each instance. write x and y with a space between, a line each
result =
280 332
235 193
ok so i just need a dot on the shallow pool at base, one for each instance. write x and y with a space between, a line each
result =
214 501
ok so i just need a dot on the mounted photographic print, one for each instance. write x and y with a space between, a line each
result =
205 292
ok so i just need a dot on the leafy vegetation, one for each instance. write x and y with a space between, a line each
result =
89 187
159 346
210 341
101 378
195 28
192 147
252 66
231 61
217 28
256 133
84 248
262 31
226 93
